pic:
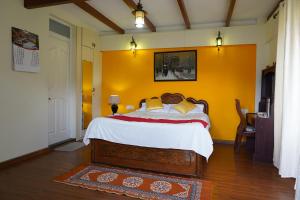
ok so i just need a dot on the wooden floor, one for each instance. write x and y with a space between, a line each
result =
233 177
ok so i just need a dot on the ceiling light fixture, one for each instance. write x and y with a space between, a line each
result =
219 41
139 14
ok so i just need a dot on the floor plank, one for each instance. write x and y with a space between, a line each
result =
233 176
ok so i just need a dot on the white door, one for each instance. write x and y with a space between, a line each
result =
58 78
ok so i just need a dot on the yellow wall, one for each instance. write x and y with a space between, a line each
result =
222 77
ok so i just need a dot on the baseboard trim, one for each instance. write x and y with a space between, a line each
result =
21 159
53 146
223 141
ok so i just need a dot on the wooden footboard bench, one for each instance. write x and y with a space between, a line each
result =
173 161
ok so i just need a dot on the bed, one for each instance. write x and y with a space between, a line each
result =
184 160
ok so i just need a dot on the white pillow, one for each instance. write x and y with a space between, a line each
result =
173 110
143 107
198 109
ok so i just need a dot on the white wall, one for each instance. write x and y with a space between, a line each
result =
24 96
254 34
23 101
184 38
270 45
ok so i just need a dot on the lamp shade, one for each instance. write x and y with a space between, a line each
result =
139 18
114 99
139 14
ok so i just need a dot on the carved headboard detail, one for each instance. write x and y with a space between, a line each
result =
168 98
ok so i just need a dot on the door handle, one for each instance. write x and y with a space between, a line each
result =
49 98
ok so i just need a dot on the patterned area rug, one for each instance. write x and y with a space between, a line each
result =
137 184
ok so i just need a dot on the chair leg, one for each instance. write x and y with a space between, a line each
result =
237 143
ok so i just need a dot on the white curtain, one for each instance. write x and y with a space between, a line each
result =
298 184
287 91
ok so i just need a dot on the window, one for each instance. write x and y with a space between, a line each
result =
59 28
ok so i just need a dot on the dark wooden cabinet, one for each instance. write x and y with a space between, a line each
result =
267 87
264 136
264 139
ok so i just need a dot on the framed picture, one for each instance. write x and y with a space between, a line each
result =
175 66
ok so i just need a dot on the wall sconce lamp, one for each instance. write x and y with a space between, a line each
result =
133 45
114 100
219 41
139 14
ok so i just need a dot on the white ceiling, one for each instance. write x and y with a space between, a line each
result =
166 15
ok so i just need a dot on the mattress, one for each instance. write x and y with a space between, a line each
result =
185 136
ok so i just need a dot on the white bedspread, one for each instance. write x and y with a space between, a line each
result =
186 136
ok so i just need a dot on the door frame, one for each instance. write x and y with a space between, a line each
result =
71 82
79 118
90 58
97 73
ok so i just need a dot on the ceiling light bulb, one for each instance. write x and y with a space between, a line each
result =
139 25
139 19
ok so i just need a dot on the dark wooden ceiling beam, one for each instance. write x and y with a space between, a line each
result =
274 9
80 3
132 5
230 11
95 13
184 14
30 4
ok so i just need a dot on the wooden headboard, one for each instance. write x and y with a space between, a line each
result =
168 98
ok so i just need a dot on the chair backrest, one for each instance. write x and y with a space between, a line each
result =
243 123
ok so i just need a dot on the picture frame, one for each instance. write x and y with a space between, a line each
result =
175 66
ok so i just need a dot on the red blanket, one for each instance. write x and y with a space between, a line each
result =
169 121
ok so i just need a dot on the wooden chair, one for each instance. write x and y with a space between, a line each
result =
243 128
